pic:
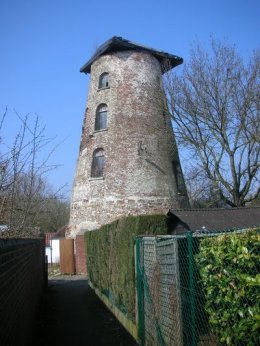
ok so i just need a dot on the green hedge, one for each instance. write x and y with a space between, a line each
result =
229 269
110 257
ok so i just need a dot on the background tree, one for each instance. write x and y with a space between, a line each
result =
25 194
54 215
214 104
200 189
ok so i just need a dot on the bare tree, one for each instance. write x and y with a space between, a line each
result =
201 191
24 164
214 104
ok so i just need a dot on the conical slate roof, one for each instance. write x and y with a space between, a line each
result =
115 44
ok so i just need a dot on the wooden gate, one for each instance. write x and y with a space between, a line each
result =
67 262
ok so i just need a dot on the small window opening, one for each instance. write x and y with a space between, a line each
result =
98 162
103 81
101 117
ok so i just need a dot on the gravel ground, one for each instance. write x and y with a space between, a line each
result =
71 314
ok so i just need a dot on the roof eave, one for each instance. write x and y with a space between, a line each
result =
166 60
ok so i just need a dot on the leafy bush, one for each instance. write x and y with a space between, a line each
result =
229 269
110 257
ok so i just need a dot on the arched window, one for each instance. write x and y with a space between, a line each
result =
101 117
103 81
98 162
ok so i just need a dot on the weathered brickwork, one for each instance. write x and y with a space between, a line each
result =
80 255
138 143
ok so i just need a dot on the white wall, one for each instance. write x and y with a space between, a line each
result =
53 251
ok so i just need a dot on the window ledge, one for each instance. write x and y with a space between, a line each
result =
95 178
97 131
99 89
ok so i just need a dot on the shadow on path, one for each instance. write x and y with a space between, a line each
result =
73 315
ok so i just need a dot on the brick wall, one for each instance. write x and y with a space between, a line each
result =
80 255
22 278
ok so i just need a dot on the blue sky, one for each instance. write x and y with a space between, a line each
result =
45 42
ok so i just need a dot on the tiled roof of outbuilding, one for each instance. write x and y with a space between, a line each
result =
119 44
214 219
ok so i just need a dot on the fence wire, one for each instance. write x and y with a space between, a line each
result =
200 289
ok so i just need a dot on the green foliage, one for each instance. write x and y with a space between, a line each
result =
54 214
110 257
229 268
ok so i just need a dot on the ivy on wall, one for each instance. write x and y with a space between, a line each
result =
110 257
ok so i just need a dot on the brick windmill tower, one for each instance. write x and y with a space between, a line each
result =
128 162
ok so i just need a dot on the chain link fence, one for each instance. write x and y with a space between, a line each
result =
201 288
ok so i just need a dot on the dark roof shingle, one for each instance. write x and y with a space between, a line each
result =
119 44
213 219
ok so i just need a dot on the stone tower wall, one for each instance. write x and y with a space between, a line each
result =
138 143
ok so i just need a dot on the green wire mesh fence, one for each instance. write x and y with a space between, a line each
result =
200 288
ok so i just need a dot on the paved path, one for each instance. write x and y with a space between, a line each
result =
73 315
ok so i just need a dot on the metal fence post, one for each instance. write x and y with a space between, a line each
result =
140 290
191 289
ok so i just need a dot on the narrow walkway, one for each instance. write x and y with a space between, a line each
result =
73 315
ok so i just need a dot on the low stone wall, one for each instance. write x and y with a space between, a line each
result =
130 326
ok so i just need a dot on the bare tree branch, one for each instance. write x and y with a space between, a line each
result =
214 104
24 192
